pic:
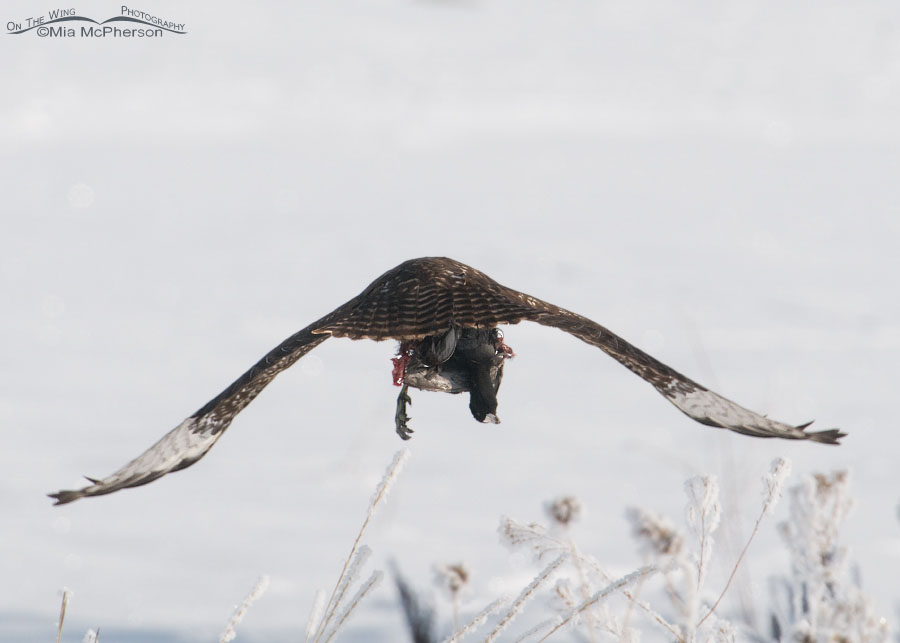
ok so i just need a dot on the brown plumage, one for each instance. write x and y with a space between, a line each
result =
445 314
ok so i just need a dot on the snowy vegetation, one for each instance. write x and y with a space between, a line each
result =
816 601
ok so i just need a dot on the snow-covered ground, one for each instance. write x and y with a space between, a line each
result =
715 181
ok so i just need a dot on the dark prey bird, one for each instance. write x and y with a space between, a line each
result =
445 315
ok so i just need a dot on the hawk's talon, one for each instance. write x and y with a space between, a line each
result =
401 419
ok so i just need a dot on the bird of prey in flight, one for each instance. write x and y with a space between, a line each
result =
445 315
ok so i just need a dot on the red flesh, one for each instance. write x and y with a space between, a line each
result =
503 348
400 363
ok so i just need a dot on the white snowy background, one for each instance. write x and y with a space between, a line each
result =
715 181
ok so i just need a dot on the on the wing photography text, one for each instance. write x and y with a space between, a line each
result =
57 24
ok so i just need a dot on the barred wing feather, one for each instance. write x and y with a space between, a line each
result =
417 299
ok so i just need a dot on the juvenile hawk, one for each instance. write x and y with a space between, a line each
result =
445 315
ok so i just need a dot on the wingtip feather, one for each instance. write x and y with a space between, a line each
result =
830 436
65 496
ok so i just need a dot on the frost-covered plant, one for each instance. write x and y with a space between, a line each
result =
703 516
617 585
453 579
533 536
556 540
685 570
574 596
258 590
585 607
773 482
66 597
564 510
476 622
819 603
326 620
526 595
655 534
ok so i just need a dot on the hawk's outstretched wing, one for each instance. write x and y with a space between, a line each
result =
421 298
189 441
695 400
